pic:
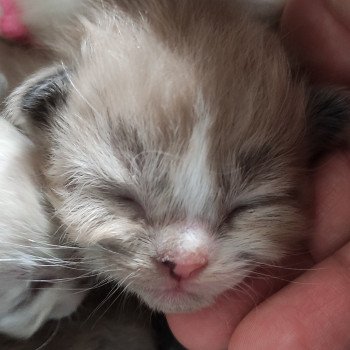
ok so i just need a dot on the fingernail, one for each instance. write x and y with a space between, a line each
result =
340 10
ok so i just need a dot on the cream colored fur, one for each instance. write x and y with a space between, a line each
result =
181 132
28 253
178 115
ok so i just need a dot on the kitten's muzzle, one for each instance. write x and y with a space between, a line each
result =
183 251
183 269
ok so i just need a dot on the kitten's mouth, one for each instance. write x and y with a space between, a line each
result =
176 292
175 299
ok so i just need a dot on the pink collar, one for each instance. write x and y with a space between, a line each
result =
11 25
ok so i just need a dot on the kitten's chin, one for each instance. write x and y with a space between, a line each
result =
175 301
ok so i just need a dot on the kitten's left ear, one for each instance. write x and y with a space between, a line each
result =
35 102
45 96
328 120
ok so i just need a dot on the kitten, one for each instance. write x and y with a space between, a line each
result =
175 146
34 287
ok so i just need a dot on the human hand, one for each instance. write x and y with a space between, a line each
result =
313 311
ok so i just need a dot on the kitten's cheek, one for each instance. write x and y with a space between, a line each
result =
316 33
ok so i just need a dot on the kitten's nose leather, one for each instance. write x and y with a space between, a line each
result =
187 268
185 271
183 249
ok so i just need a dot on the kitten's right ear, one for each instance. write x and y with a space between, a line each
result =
328 120
35 102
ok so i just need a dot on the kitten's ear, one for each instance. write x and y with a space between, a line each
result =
45 96
35 102
328 120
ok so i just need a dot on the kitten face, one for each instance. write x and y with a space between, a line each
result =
173 150
34 285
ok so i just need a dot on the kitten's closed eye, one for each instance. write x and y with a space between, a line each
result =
112 246
250 205
239 209
129 202
124 199
41 284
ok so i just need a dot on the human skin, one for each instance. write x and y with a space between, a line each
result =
313 311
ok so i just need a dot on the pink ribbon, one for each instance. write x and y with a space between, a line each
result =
11 25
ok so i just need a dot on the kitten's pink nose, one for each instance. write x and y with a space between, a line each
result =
186 268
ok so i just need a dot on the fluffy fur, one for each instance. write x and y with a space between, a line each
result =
97 325
178 130
35 286
177 133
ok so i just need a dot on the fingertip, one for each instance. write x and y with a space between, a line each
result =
316 34
332 198
212 328
207 329
311 313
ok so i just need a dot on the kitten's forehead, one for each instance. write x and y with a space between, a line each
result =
154 77
185 124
